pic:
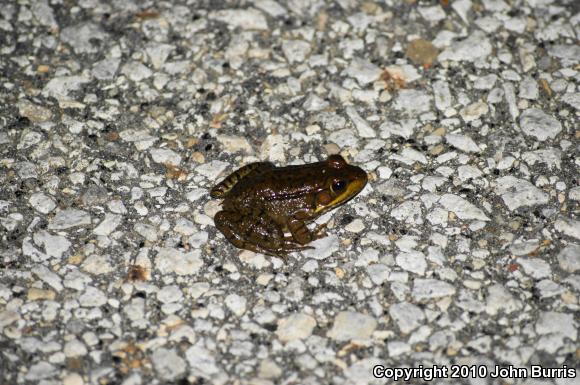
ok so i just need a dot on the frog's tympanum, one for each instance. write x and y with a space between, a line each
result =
263 203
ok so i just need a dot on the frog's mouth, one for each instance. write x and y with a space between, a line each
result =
351 191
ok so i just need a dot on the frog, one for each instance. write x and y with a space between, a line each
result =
266 209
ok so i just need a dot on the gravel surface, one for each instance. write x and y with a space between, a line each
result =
116 117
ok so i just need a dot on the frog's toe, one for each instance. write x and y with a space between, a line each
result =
322 234
321 227
288 247
320 231
293 246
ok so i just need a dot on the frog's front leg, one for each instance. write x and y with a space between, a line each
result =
301 233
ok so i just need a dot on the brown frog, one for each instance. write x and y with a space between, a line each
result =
262 203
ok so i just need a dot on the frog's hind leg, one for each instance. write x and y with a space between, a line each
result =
226 221
258 234
221 189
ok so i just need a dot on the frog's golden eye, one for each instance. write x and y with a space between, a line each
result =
338 186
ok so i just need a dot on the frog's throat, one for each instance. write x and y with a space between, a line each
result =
351 191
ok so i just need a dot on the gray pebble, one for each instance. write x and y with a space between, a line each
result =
169 260
537 123
535 267
165 156
295 327
462 142
66 219
41 370
170 294
413 101
54 245
81 37
516 193
363 71
108 224
42 203
48 276
92 297
462 208
407 316
350 325
426 289
413 261
569 258
476 46
168 364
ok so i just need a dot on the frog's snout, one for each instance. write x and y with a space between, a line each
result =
359 182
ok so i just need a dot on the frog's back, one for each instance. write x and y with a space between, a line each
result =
223 189
277 184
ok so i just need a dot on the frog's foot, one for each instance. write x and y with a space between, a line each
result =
281 252
319 231
293 246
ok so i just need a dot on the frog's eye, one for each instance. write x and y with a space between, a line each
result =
338 186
